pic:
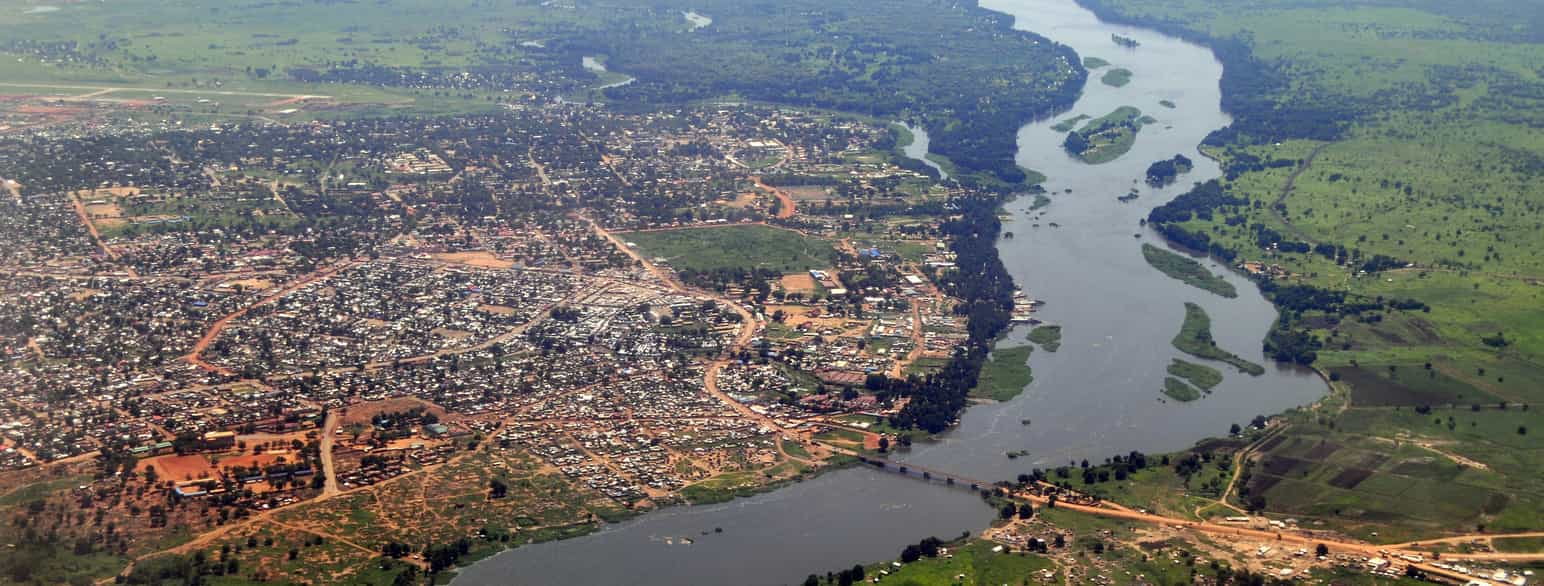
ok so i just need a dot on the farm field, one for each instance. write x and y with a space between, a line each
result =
1405 473
734 248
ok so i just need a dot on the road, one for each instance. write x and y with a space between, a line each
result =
195 355
329 469
103 89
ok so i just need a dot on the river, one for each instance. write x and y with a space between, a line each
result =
1096 397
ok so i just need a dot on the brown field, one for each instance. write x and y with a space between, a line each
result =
481 258
251 460
179 468
252 284
362 412
798 283
807 193
450 333
798 315
496 309
741 201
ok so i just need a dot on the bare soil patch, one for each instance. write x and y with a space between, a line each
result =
481 258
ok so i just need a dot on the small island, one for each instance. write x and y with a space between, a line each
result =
1047 337
1126 42
1070 123
1200 375
1094 63
1116 77
1179 391
1166 171
1195 339
1106 138
1167 104
1187 270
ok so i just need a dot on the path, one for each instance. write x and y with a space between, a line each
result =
1286 190
102 89
787 207
329 469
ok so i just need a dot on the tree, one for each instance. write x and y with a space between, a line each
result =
1008 511
1026 511
1322 550
497 488
812 580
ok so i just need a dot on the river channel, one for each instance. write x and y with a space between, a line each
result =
1096 397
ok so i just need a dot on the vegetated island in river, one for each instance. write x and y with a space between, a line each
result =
1005 374
1201 376
1047 337
1187 270
1179 391
1165 172
1094 63
1195 339
1116 77
1070 123
1126 42
1107 137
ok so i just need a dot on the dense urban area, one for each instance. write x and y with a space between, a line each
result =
305 302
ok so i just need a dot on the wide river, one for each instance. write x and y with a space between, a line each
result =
1096 397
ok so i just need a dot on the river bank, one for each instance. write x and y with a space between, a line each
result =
1100 395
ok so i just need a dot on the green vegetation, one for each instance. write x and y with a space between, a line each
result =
1202 376
1047 337
1005 374
1116 77
1106 138
1167 103
974 559
1187 270
1195 339
949 71
739 248
1179 390
1070 123
1094 63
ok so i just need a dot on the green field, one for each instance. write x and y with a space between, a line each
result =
1005 374
1200 375
734 248
973 559
1187 270
1116 77
1195 339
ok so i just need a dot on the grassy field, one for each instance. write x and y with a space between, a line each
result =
1187 270
1047 337
1202 376
973 559
1195 339
1005 375
735 248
